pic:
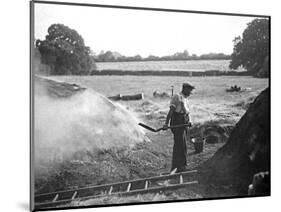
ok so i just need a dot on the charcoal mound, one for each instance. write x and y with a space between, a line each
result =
72 125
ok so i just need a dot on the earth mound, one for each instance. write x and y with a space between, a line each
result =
246 152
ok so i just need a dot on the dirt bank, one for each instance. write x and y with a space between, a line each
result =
246 152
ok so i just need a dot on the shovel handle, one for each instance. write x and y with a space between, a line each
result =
157 130
173 126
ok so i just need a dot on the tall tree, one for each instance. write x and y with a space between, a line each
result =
252 50
65 52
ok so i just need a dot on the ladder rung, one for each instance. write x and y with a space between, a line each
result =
146 184
181 179
129 187
56 197
110 190
74 195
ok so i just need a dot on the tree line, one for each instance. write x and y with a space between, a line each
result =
64 52
110 56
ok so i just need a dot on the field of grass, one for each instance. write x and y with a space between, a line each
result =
208 99
180 65
210 103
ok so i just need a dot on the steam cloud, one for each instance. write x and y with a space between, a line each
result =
85 121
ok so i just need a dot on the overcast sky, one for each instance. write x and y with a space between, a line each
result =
132 32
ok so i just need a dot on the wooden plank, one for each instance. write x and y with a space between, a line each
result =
138 96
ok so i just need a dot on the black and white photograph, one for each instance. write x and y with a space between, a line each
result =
139 105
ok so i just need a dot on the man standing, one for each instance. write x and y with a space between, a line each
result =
178 115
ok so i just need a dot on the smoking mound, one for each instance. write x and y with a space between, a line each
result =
69 119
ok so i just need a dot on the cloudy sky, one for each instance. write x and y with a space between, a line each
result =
132 32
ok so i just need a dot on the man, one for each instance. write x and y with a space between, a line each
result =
178 115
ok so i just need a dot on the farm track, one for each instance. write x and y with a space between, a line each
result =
126 188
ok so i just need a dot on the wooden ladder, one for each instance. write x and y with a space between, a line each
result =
131 187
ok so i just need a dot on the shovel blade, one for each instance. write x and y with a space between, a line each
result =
147 127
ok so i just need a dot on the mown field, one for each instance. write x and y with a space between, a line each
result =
209 100
180 65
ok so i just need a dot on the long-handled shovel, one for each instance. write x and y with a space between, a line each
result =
159 129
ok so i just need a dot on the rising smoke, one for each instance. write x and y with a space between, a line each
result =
86 121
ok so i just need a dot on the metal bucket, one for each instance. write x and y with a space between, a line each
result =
198 144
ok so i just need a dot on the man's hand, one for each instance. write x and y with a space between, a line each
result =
165 126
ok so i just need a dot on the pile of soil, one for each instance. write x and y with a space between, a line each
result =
246 152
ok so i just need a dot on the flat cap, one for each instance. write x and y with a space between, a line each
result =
187 85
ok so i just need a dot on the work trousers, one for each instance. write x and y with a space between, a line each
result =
181 136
